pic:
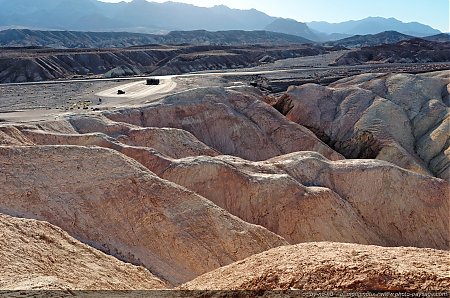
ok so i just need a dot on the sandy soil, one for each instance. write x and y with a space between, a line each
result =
32 115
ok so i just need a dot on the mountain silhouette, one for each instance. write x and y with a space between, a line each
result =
374 25
141 16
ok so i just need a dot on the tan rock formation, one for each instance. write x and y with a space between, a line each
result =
333 266
171 142
288 194
114 204
301 196
233 122
148 157
112 200
176 143
36 255
352 200
405 208
400 118
10 135
272 198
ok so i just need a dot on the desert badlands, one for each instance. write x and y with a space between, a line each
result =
143 156
227 188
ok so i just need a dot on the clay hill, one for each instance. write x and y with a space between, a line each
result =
400 118
217 179
114 204
36 255
40 64
333 267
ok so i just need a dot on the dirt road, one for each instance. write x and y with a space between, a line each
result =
138 90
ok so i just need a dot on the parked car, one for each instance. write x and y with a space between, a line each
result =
152 81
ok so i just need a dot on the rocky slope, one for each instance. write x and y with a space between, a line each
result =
333 267
399 118
36 255
114 204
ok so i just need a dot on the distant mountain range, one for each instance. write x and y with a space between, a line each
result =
140 16
374 25
135 16
76 39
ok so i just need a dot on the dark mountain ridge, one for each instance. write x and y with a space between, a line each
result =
442 37
368 40
21 38
292 27
77 39
415 50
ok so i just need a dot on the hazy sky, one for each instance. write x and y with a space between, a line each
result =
431 12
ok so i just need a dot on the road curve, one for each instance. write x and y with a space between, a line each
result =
138 90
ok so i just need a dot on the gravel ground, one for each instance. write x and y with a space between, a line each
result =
49 96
